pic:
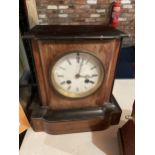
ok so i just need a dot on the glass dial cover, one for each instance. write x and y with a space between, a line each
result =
77 74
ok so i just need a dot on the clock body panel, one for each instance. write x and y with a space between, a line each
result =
46 53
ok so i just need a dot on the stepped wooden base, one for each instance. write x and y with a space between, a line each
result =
77 120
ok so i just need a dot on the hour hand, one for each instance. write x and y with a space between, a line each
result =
89 81
82 76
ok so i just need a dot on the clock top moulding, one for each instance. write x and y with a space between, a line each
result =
57 114
71 32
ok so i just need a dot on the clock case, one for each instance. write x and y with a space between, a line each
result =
56 114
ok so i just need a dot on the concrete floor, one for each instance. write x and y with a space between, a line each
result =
86 143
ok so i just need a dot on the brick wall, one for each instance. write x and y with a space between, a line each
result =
76 12
127 21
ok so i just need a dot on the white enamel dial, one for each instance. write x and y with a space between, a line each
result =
77 74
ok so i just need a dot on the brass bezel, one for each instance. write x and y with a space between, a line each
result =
79 95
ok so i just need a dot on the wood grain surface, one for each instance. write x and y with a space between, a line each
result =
74 120
46 53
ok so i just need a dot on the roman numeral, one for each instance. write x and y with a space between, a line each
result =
93 67
78 57
86 61
62 68
63 82
92 82
69 62
60 75
94 75
69 88
77 89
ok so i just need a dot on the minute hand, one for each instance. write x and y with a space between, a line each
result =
86 76
81 64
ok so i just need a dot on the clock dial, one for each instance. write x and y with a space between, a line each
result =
77 74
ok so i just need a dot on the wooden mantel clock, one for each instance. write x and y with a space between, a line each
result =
75 68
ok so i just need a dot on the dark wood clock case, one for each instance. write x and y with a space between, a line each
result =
54 113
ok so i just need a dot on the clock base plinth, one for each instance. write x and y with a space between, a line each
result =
75 120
